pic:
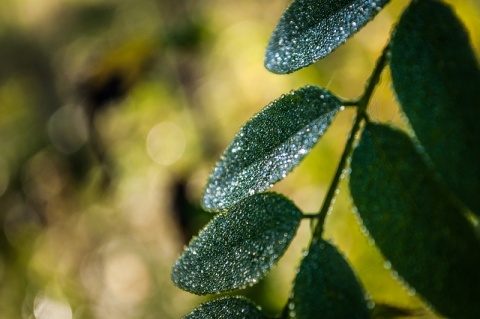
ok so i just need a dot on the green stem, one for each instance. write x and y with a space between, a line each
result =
349 103
327 203
310 216
361 104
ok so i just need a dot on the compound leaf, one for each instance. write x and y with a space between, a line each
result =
415 222
270 145
228 307
239 247
326 287
311 29
436 78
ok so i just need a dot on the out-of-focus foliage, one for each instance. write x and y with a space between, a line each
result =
443 106
395 191
111 117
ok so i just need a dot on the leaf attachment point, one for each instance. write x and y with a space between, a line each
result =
326 287
238 248
415 223
270 145
311 29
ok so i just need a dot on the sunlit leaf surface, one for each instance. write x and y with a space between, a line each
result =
415 223
270 145
226 308
437 79
311 29
326 287
239 247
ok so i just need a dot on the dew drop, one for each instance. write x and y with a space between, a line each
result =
387 265
371 241
370 304
411 291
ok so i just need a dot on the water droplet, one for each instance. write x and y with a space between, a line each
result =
370 304
394 275
411 291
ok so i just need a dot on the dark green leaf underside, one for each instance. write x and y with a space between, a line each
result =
414 222
239 247
437 80
226 308
326 287
270 145
311 29
386 311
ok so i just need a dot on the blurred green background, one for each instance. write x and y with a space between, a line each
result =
113 113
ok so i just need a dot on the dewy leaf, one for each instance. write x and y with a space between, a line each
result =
326 287
239 247
311 29
437 80
415 222
270 145
226 308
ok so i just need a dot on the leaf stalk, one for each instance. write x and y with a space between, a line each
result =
361 116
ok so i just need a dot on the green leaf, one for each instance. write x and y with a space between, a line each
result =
239 247
386 311
326 287
270 145
311 29
437 79
226 308
415 222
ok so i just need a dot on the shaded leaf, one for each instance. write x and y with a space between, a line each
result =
326 287
415 223
270 145
226 308
238 248
311 29
436 77
386 311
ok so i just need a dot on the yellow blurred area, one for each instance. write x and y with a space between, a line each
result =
113 113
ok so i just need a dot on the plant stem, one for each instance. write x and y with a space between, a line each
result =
374 79
337 177
361 116
349 103
310 216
